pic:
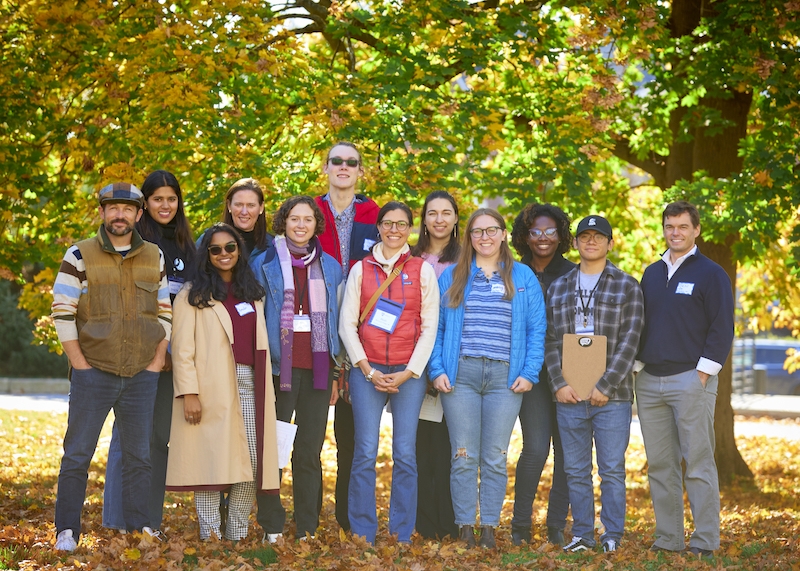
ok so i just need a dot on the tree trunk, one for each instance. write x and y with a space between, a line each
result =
730 463
718 156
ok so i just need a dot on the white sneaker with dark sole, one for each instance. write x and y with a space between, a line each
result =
577 545
609 546
272 537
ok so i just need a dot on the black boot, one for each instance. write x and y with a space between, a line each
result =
555 535
520 534
487 537
467 535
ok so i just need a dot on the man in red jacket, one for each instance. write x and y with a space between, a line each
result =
350 232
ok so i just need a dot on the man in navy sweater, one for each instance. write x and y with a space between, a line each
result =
687 336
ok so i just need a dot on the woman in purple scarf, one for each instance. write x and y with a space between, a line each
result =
301 308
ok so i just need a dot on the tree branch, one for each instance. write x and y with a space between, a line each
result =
655 165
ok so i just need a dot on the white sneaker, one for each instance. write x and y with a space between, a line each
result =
609 545
272 537
65 541
157 534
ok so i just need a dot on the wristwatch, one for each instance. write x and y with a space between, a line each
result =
369 376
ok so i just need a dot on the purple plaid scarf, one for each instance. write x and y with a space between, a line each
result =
320 362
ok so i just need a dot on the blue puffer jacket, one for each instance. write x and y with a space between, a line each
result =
267 268
528 326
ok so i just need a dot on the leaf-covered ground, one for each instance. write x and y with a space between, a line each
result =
760 522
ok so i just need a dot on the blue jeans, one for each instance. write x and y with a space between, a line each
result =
159 449
93 393
481 411
537 417
610 426
368 406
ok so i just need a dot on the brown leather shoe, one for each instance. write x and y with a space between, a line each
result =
487 537
467 535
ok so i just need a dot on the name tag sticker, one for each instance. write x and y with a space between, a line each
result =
685 288
499 288
244 308
368 243
302 324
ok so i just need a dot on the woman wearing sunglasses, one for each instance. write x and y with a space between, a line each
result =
438 245
388 325
163 222
488 352
223 416
541 236
304 285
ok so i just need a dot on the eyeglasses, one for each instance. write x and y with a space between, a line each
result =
585 238
216 250
536 233
339 161
491 231
402 225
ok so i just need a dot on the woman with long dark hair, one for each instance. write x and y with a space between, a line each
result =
387 325
490 347
541 236
223 421
164 223
439 246
303 286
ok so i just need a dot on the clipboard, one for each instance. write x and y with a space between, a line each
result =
583 361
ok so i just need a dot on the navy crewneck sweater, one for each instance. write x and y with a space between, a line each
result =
688 317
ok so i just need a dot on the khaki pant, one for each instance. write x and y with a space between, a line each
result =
677 418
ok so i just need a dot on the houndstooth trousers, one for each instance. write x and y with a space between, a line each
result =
242 494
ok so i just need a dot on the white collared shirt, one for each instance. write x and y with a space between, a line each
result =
672 268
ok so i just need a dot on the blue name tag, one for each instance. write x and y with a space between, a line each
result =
386 314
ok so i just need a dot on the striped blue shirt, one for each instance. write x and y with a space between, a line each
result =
487 320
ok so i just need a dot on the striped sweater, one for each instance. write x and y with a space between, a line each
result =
71 283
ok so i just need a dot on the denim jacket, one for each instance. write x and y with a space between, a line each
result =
527 327
267 268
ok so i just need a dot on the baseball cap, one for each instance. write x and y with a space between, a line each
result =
121 192
596 223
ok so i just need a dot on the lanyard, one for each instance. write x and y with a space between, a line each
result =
302 297
585 306
402 284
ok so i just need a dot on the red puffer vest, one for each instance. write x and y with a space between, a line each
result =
395 348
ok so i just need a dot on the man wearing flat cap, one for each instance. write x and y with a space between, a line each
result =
596 300
113 316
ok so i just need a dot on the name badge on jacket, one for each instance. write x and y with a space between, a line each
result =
244 308
685 288
386 314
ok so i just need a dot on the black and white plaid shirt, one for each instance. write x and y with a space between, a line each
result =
618 314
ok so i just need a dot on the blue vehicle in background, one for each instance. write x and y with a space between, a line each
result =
770 356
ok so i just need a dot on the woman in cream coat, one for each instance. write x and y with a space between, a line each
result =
223 422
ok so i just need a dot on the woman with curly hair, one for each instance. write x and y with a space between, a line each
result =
303 286
541 236
223 415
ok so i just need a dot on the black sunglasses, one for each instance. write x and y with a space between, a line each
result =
216 250
338 161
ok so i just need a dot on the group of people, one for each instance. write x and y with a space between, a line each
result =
200 348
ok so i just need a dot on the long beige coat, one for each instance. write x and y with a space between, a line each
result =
215 452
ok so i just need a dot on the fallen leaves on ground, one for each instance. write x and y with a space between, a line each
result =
760 520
